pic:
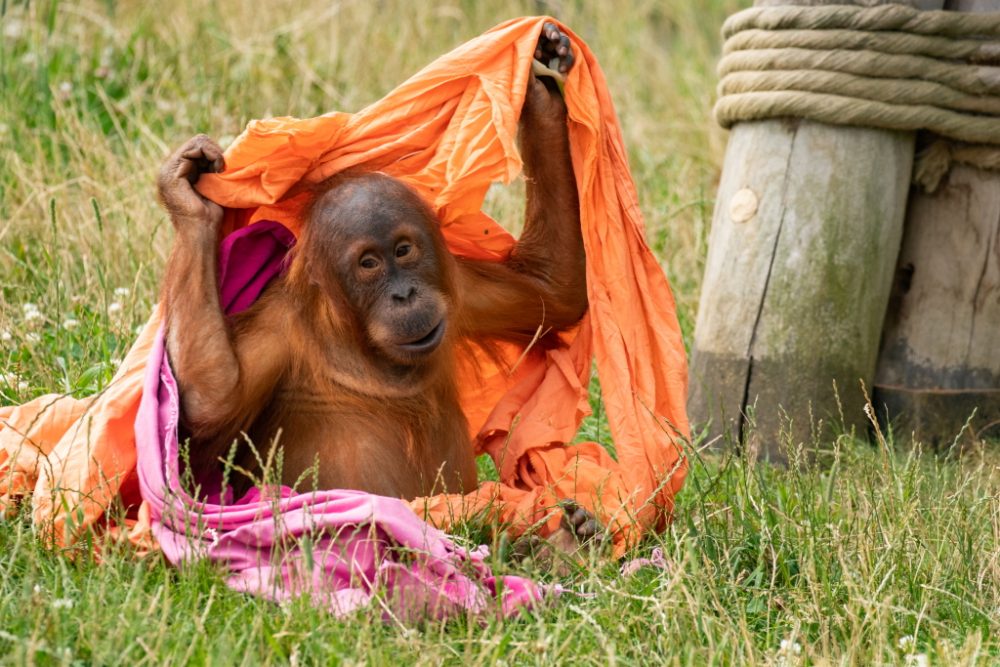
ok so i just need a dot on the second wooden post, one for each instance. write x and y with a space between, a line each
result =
804 240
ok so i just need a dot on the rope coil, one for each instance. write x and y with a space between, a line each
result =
889 67
896 17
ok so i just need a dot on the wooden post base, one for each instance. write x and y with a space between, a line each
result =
939 366
941 342
805 235
795 293
939 418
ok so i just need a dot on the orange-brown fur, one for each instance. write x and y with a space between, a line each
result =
315 364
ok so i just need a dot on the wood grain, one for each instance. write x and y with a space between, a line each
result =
793 299
940 356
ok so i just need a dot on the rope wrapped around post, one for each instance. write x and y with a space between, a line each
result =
889 66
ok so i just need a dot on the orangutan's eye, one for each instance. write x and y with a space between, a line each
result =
402 250
368 262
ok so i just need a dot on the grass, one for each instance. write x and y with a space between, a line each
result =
843 562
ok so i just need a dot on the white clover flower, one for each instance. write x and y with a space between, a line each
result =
29 59
122 292
115 361
71 324
33 337
6 336
31 312
12 381
37 589
138 328
906 643
917 660
4 129
62 603
65 90
788 653
789 647
114 308
14 28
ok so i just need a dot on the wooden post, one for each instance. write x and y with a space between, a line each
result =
940 357
804 240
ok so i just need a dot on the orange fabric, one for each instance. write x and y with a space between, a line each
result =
449 132
74 457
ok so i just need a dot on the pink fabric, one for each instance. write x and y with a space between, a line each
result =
656 560
340 547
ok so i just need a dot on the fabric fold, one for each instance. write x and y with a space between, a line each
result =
449 132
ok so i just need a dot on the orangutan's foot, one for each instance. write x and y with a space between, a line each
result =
579 533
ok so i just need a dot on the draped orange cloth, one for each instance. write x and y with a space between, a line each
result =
449 132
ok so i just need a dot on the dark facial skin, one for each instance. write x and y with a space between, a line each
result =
383 245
